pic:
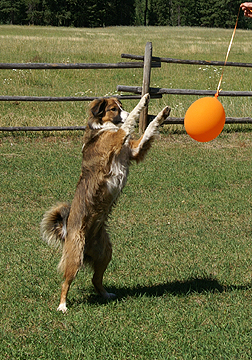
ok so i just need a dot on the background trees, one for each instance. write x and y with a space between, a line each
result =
95 13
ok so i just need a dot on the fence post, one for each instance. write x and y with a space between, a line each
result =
143 120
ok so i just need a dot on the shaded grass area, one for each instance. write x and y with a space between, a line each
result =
181 266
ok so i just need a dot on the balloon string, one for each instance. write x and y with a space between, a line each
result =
229 48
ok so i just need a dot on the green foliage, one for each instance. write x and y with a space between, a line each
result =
96 13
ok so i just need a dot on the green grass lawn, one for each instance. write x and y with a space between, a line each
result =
181 265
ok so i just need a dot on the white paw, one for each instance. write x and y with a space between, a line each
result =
166 112
62 307
144 100
163 115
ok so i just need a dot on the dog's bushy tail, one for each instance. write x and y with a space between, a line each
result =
53 225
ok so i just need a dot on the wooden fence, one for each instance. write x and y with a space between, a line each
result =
147 62
148 59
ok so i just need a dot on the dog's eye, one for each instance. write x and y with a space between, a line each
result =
113 109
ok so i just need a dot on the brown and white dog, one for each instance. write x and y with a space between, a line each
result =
107 152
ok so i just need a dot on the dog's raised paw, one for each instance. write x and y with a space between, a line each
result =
145 100
163 115
166 112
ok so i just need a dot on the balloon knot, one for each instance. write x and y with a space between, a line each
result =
217 93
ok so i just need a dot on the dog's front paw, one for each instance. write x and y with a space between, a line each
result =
163 115
145 100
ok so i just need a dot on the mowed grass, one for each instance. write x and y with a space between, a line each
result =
70 45
181 265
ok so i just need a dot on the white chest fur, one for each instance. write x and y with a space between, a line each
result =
118 174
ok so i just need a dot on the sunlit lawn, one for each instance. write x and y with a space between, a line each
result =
181 265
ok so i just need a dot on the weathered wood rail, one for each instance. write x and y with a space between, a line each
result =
190 62
80 66
65 98
161 91
170 120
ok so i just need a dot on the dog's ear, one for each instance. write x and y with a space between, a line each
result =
97 107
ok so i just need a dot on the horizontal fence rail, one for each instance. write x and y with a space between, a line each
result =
169 121
46 66
190 62
41 128
67 98
229 120
159 91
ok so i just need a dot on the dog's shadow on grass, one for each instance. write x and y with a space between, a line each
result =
180 288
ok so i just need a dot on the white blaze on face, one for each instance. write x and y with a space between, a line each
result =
124 114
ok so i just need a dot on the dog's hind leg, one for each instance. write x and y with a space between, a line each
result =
69 277
100 265
71 262
130 122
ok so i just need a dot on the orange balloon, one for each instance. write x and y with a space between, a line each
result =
205 119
